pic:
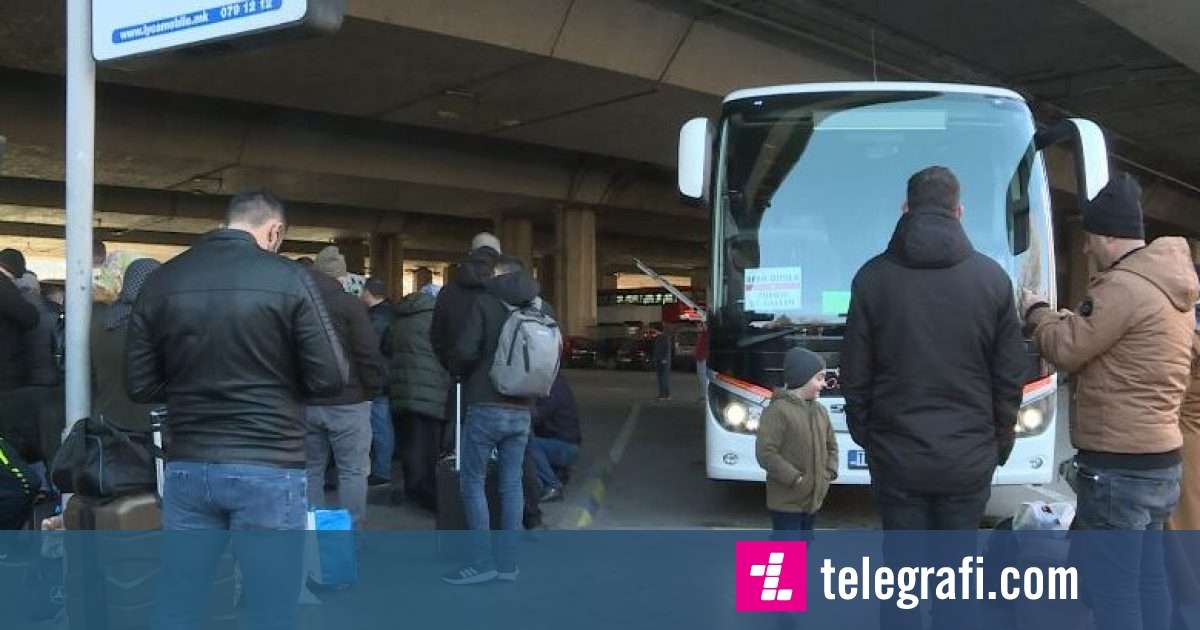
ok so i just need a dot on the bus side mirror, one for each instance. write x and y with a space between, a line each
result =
695 160
1091 153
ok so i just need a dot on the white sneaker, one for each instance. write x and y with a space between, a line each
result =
508 576
470 574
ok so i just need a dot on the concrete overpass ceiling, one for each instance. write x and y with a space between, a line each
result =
1063 55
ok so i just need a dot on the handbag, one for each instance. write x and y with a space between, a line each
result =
100 460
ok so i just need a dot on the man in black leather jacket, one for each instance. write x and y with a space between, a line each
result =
232 337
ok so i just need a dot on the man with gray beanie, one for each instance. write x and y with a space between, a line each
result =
1128 347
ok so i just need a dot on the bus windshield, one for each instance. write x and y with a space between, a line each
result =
810 186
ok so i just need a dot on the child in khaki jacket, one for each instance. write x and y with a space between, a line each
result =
796 444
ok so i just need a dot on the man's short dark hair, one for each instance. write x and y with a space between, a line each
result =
375 287
99 252
509 264
254 208
935 187
424 276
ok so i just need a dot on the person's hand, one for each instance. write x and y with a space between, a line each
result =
1029 299
53 524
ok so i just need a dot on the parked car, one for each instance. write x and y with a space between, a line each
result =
684 357
579 352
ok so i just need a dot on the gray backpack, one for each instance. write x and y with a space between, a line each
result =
528 353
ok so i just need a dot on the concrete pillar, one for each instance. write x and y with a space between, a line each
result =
576 269
355 252
699 282
606 280
516 238
547 272
387 262
1078 266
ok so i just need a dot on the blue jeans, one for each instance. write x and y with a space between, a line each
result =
551 453
383 438
1132 592
266 508
506 430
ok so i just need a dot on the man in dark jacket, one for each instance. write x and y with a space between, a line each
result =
232 337
493 422
456 300
343 422
17 317
661 355
556 436
933 365
383 438
418 392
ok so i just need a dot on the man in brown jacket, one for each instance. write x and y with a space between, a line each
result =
1129 348
1187 513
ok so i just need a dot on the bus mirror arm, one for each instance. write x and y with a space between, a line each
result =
674 290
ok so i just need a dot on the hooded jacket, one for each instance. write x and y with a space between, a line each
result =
17 318
419 383
1129 350
476 346
1187 513
933 362
39 343
557 416
797 448
359 343
455 303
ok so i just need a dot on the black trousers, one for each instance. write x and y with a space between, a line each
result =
532 489
664 378
901 511
419 443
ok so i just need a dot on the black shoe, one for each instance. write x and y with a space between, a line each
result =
375 480
551 494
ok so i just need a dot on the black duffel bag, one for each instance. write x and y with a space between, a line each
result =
100 460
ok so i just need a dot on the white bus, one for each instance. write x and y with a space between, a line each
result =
805 184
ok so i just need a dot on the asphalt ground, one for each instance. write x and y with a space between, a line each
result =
642 467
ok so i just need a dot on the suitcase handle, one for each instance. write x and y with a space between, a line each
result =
457 425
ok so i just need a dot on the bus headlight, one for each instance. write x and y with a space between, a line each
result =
733 412
1034 418
736 415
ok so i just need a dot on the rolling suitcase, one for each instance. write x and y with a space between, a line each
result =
111 575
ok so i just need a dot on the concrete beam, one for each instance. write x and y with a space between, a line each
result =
151 140
177 239
1168 25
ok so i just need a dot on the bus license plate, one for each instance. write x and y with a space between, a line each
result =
856 460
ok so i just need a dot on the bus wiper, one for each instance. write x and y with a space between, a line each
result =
765 337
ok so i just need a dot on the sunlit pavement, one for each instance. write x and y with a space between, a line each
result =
659 481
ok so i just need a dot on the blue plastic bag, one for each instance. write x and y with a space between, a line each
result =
335 562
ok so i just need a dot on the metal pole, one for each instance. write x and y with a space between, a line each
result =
81 145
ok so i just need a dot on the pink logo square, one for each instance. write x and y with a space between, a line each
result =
772 576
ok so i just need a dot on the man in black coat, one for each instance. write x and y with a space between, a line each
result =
383 437
933 364
17 317
232 337
341 424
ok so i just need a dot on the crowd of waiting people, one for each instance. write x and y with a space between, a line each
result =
297 378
